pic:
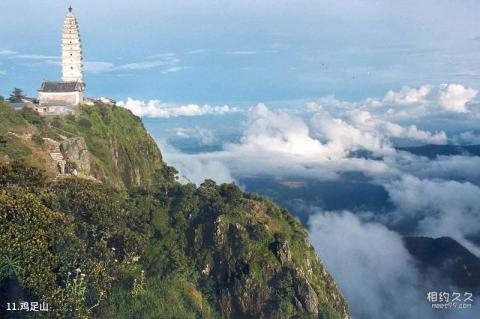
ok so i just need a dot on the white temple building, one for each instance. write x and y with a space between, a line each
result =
60 97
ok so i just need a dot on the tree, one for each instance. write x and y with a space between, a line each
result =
2 99
16 95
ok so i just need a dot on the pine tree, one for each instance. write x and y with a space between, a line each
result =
16 96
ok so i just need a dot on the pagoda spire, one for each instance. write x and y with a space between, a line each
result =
70 9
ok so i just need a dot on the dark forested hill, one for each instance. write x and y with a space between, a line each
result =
448 257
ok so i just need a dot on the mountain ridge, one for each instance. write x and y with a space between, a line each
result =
137 237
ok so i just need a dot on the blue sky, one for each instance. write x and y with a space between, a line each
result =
236 52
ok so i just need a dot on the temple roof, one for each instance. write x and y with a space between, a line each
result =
50 86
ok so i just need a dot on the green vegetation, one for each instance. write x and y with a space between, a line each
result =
135 243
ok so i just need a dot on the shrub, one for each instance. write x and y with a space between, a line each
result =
38 140
32 117
85 123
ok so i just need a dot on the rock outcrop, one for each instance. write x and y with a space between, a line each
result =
305 293
75 152
282 250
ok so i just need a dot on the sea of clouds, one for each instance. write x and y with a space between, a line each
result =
319 140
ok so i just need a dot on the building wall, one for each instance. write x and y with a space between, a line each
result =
53 110
74 98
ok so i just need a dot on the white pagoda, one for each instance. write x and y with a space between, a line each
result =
59 97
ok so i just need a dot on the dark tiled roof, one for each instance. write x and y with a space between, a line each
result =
50 86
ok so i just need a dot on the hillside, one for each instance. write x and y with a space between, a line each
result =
120 150
115 235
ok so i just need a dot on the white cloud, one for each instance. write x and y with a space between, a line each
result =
168 58
345 136
7 52
281 144
408 96
327 137
174 69
411 132
154 61
279 132
141 65
320 148
37 56
318 141
245 52
455 97
457 167
366 121
156 108
97 66
204 136
199 51
28 56
435 102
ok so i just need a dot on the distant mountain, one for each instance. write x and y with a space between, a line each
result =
448 257
432 151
